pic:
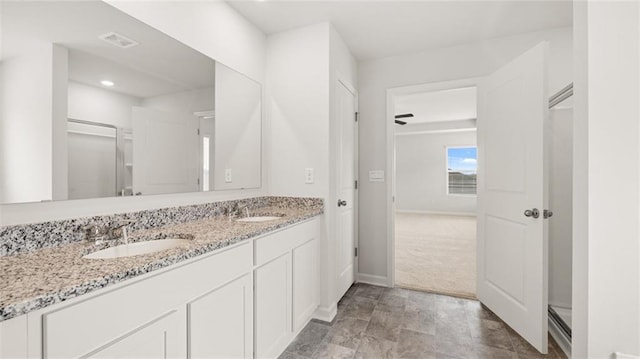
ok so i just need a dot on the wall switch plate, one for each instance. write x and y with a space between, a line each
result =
376 176
308 175
227 175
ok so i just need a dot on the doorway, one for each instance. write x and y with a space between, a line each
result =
513 199
435 191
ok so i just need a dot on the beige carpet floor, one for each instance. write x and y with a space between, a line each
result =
436 253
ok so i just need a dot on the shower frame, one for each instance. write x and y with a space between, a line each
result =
119 169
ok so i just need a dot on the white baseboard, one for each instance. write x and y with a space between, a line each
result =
326 314
371 279
464 214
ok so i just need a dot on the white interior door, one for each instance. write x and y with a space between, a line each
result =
346 107
165 152
512 247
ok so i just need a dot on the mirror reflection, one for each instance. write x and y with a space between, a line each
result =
97 104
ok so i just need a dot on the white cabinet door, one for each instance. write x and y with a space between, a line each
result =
13 338
305 283
512 194
273 306
156 339
221 322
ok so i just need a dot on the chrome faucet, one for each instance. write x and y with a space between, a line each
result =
122 226
97 234
237 211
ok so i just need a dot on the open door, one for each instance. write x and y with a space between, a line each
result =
165 152
512 195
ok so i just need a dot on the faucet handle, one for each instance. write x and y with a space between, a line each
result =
94 229
122 223
119 229
94 232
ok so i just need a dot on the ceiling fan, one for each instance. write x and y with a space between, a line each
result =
405 115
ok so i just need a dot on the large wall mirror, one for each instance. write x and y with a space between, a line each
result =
94 103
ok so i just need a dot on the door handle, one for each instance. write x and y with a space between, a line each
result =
547 214
342 203
535 213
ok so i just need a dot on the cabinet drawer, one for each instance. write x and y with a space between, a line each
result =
80 328
272 246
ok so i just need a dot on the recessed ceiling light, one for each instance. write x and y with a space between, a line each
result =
107 83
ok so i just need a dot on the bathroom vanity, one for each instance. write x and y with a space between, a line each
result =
237 289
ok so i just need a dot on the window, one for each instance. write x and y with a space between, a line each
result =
462 163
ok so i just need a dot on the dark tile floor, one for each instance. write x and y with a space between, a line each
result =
377 322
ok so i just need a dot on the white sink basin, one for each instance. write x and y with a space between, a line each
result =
258 219
135 249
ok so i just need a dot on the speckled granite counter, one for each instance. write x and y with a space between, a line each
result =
40 278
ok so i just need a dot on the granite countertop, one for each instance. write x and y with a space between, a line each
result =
35 280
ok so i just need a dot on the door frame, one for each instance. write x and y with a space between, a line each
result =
392 93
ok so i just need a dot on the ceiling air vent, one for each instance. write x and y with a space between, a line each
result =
118 40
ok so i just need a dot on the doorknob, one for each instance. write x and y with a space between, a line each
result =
342 203
535 213
547 214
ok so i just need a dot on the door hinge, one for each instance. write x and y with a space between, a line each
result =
356 116
356 184
198 181
198 132
356 251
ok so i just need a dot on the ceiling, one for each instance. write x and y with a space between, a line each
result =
158 65
377 29
437 106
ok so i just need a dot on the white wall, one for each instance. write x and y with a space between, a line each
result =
183 102
237 130
421 173
560 202
460 62
303 68
298 110
213 28
90 103
26 114
606 181
59 104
